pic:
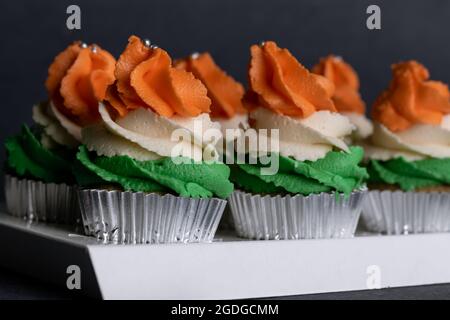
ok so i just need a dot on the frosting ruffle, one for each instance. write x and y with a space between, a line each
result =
410 175
28 158
304 139
187 179
78 79
146 79
286 87
338 171
418 142
346 83
225 92
411 99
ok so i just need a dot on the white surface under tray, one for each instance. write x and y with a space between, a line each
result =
228 268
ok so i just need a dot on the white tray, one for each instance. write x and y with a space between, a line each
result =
229 268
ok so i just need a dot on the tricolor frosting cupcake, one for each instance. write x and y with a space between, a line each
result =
346 97
316 189
39 164
154 187
409 154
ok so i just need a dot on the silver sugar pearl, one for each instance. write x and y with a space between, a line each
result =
146 42
154 46
83 45
94 49
195 55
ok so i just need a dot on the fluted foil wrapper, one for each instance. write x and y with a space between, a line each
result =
137 217
39 201
325 215
399 212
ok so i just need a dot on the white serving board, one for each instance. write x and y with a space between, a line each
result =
229 268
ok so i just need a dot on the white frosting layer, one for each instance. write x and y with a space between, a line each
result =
58 128
364 127
97 138
145 135
198 127
417 142
239 121
305 139
71 127
232 129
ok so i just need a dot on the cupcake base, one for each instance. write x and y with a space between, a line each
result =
137 217
40 201
398 212
325 215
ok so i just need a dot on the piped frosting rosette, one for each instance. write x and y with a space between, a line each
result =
410 146
296 105
346 95
155 133
77 80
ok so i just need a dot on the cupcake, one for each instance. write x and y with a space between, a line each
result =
39 180
346 97
310 185
409 155
149 169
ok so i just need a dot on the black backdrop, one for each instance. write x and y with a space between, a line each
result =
32 32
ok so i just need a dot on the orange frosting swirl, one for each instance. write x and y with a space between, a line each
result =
284 85
146 78
78 79
225 92
411 99
346 96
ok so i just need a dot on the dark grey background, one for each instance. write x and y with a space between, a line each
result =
33 32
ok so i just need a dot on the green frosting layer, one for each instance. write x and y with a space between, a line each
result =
337 171
29 159
410 175
187 179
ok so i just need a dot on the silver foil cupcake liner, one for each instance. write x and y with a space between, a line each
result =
137 217
39 201
399 212
325 215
